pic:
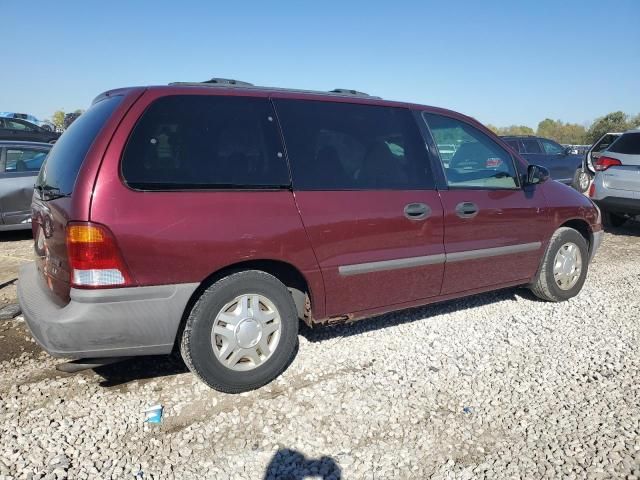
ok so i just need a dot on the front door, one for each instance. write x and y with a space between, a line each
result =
493 227
366 196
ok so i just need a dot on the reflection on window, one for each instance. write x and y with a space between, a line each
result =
477 161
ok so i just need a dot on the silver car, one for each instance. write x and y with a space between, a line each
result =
616 185
20 163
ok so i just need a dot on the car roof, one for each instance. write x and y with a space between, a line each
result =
225 87
17 143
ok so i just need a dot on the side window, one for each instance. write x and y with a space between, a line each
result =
479 162
13 125
195 141
344 146
551 148
24 160
530 145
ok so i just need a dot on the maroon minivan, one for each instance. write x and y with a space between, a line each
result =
211 217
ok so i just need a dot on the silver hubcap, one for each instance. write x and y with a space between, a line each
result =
584 181
246 332
567 266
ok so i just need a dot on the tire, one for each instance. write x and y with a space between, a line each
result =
545 285
197 346
581 180
614 220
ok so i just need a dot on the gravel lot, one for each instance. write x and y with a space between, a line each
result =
498 385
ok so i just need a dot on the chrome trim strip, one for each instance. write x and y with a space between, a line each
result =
492 252
391 264
410 262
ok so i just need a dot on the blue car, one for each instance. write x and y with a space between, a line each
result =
561 163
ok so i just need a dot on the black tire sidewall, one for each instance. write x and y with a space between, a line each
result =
573 236
205 312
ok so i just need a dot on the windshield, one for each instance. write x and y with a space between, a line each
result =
60 170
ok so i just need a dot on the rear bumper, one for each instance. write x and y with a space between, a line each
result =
106 322
629 206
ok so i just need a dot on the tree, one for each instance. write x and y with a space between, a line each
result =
493 128
516 130
58 119
567 133
612 122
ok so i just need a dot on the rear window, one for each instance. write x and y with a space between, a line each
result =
205 142
531 145
61 168
628 144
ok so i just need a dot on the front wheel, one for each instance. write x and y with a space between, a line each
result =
242 332
564 267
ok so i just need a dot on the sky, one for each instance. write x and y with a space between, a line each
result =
503 63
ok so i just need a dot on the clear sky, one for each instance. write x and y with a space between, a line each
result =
504 63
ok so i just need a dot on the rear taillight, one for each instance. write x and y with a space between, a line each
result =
605 162
94 258
592 190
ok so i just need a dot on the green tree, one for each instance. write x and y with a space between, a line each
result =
567 133
493 128
612 122
58 119
515 130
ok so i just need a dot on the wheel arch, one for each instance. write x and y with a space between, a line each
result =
583 228
288 274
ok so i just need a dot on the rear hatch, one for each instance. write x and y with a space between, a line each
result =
625 177
55 198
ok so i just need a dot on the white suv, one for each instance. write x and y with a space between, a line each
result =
616 186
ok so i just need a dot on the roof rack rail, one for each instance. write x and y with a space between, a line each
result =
348 91
217 82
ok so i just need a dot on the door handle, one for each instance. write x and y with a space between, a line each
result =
417 211
467 209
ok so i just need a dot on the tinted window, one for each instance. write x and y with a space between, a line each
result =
24 159
551 148
195 141
531 145
479 162
13 125
65 158
629 144
604 142
514 144
343 146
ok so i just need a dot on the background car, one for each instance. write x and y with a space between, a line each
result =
24 131
616 185
550 154
587 171
30 118
20 163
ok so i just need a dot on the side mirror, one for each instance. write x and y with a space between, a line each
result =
569 151
536 174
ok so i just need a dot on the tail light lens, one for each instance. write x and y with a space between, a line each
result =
94 257
592 190
605 162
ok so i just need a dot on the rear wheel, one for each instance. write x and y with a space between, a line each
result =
242 332
564 266
581 180
613 219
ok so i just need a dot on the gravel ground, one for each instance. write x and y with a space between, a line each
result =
498 386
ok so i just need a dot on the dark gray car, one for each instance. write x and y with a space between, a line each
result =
20 163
